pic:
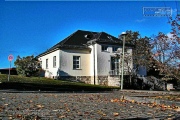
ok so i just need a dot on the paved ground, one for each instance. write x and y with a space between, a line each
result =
93 106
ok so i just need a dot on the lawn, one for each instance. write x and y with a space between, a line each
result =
45 84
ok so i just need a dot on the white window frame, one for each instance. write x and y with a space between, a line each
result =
54 61
76 62
116 63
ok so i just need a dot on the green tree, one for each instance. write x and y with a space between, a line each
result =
27 66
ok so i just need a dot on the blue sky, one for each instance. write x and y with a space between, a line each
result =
30 28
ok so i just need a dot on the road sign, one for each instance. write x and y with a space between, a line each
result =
10 57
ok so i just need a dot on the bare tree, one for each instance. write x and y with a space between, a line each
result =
166 48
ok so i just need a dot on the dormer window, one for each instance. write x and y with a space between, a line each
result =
104 48
109 37
87 36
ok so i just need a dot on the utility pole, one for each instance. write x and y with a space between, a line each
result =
122 69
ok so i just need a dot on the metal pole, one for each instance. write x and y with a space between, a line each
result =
9 71
122 69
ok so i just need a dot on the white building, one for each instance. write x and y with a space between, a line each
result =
86 56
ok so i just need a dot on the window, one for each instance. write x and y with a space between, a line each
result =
104 48
46 63
114 63
54 61
76 62
115 49
40 64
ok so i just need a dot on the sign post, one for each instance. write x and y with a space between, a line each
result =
10 58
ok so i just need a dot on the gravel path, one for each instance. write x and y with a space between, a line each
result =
93 106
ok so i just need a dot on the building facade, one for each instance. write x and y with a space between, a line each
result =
90 57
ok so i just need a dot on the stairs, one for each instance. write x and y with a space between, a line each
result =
152 83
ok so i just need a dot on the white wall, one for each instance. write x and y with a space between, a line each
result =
93 62
66 66
128 66
104 58
64 62
50 71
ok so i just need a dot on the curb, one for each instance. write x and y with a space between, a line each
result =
151 100
153 92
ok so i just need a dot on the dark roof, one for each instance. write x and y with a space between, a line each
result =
80 40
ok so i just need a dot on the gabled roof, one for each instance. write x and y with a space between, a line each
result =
103 37
81 39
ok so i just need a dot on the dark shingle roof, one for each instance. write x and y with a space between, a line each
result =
107 38
81 38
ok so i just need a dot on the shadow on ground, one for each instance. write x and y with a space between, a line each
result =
42 87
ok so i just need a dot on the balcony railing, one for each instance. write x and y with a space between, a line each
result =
117 72
114 72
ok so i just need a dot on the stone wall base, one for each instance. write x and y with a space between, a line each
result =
100 80
114 80
84 79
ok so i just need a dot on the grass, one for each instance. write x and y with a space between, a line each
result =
45 84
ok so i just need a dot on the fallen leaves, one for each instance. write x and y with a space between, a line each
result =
88 106
123 100
68 110
167 97
39 106
55 110
62 116
116 114
30 101
91 98
133 101
6 104
2 108
19 116
177 109
115 100
149 113
162 107
3 98
101 112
